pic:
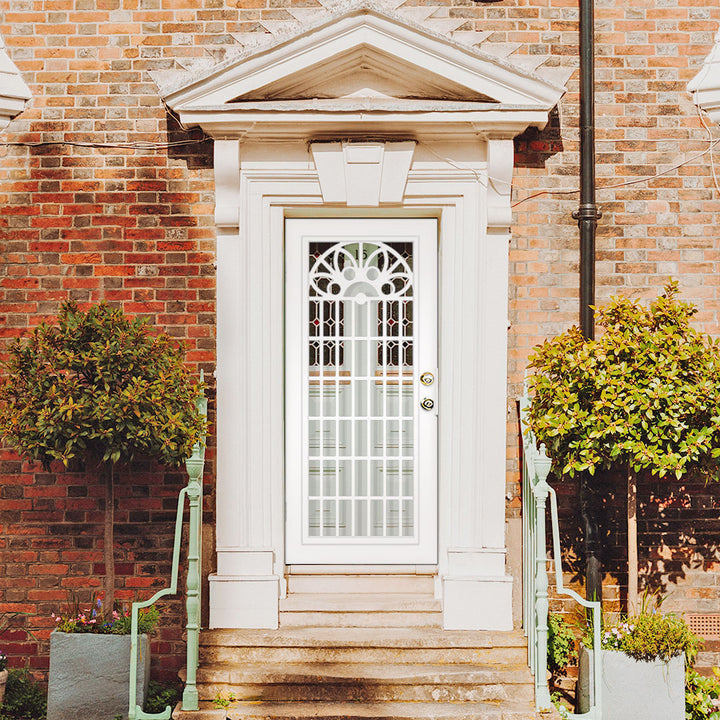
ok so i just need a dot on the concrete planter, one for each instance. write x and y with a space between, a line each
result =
3 682
634 689
90 675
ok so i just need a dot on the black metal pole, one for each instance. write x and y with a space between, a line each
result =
587 216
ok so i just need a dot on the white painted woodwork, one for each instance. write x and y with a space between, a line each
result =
14 92
364 66
361 173
361 453
705 86
461 109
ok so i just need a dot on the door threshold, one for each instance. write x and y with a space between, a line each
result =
361 569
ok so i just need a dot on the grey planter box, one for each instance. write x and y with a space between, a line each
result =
633 689
90 676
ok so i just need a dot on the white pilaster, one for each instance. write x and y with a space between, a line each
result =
244 592
477 591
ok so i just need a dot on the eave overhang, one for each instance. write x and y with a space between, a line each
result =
414 82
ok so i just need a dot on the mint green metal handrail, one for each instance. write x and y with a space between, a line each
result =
536 467
193 491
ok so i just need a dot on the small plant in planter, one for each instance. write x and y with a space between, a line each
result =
99 388
644 658
95 620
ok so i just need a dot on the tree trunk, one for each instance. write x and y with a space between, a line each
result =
632 546
109 540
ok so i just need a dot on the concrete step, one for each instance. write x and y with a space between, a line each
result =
363 602
362 645
365 619
364 711
360 610
352 584
367 682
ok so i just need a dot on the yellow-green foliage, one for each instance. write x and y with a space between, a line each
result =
652 636
645 394
102 383
702 696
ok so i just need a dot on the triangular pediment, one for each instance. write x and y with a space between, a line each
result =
368 55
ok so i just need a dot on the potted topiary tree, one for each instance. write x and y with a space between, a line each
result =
642 398
100 388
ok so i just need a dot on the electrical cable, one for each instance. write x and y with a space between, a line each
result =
600 188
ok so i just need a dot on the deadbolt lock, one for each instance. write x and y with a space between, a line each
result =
427 404
427 378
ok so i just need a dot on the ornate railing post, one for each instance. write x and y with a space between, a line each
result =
536 491
193 490
540 493
194 467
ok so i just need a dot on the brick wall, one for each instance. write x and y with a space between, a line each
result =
135 226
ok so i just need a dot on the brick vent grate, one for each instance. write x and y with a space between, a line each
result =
706 625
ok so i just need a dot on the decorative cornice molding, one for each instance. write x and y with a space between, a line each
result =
14 93
705 86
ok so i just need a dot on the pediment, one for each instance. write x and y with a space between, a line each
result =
364 71
365 47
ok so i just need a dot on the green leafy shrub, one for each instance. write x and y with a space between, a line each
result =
561 649
99 381
646 392
24 698
702 696
642 397
160 696
100 387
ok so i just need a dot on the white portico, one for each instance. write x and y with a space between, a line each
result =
363 170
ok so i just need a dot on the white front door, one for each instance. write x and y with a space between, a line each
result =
361 390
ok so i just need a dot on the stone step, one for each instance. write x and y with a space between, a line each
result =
360 610
367 682
352 584
362 645
364 711
385 619
361 603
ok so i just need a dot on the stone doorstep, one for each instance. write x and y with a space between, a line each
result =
315 671
380 674
411 638
324 682
365 711
359 603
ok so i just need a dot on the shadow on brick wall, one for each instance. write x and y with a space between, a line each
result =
196 148
535 147
678 538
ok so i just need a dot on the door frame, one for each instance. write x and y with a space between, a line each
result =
422 547
270 184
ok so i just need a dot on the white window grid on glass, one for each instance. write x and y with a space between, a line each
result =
360 390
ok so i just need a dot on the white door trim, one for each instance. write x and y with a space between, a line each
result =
265 184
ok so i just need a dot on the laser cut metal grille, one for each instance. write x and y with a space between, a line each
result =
360 390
